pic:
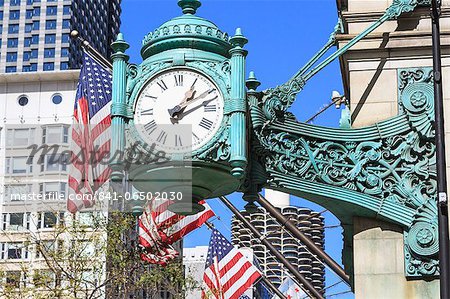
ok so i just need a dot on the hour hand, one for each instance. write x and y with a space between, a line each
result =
175 110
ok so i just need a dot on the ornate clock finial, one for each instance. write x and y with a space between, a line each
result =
189 6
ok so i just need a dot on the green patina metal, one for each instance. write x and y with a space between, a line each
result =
384 171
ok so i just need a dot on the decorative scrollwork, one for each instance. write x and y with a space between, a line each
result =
393 168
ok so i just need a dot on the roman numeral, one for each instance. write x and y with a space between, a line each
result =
206 124
195 136
149 96
210 108
147 112
150 127
162 137
178 80
178 141
163 85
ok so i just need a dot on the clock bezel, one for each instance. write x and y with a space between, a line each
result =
219 83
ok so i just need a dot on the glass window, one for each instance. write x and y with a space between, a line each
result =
65 38
52 10
29 13
13 42
22 101
34 53
12 279
53 134
1 15
26 55
27 41
66 24
1 28
18 165
66 10
50 24
11 69
13 28
28 27
36 11
64 66
14 2
36 25
17 192
50 38
35 39
49 66
50 220
20 137
11 57
49 53
14 251
55 162
2 2
65 52
33 67
16 220
14 14
57 99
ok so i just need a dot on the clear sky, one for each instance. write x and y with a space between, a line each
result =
282 35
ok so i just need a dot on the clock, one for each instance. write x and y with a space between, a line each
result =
179 110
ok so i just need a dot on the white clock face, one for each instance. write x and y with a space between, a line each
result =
179 111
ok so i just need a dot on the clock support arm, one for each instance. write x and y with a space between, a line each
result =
119 109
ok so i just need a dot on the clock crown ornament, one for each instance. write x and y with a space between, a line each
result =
187 31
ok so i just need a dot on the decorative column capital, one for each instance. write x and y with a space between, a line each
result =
119 47
238 41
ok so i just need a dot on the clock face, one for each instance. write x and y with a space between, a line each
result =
179 111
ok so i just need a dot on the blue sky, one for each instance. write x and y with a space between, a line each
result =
282 35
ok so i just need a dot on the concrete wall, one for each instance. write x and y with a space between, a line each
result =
370 75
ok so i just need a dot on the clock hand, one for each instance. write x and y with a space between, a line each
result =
177 109
179 116
187 97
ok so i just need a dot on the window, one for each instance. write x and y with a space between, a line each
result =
55 134
65 52
14 2
50 24
13 28
64 66
52 10
17 192
26 55
56 162
11 69
18 165
20 137
28 27
22 100
35 39
36 25
66 24
57 99
1 15
48 220
36 11
65 38
13 279
66 10
49 66
14 251
33 67
13 42
53 191
29 13
14 14
11 57
50 38
27 41
1 28
49 53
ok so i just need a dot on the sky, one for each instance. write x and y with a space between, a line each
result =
283 35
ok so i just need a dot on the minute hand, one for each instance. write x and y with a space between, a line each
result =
183 114
202 96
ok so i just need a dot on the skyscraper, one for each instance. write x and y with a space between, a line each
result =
311 223
35 34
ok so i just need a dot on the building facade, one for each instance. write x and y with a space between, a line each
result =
370 72
309 222
35 34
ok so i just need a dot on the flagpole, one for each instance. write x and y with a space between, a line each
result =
304 283
292 228
263 277
87 46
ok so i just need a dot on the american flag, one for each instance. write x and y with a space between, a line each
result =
91 136
228 274
159 228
